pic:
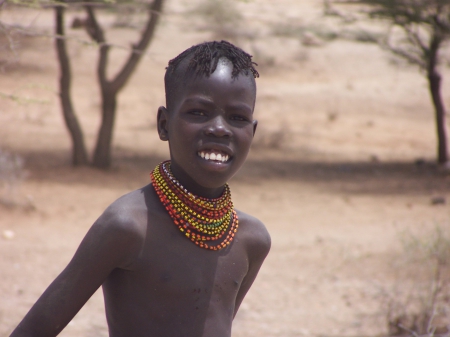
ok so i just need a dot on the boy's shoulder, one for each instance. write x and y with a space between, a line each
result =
121 229
126 216
254 233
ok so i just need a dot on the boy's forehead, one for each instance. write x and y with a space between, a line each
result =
217 83
222 74
222 77
224 69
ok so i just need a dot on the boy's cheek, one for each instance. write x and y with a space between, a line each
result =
255 125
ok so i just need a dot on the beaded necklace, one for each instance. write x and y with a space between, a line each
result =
200 219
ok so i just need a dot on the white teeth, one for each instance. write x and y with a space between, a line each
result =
214 156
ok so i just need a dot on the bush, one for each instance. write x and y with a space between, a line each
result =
419 304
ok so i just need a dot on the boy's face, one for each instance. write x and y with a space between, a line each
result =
210 128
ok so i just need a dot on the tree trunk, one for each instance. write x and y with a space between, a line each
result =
102 155
434 80
79 154
441 128
110 89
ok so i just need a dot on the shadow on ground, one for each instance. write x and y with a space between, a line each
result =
345 177
353 177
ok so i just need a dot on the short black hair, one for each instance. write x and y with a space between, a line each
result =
202 60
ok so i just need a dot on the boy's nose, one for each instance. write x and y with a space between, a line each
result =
218 127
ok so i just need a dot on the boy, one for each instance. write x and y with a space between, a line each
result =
174 258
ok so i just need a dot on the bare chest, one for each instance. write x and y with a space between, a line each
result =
172 271
176 266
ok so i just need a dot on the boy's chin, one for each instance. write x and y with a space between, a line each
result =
215 166
213 180
218 171
208 174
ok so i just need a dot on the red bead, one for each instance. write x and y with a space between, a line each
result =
203 219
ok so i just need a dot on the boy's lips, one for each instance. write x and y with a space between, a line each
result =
215 155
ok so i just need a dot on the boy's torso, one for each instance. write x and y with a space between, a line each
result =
174 288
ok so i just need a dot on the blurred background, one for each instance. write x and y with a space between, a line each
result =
347 169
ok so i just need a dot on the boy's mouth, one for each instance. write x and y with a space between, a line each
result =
214 156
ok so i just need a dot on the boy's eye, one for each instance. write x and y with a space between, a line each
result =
239 118
197 113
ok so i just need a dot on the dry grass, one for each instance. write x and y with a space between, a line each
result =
419 302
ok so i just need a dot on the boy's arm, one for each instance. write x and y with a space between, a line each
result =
110 243
258 247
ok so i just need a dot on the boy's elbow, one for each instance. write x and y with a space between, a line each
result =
264 242
35 325
267 241
22 331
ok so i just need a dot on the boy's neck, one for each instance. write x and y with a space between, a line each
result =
193 187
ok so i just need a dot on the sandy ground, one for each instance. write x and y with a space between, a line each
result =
332 173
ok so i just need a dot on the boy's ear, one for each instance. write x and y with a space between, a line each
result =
255 124
161 122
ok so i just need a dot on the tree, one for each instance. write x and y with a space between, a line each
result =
424 27
79 153
109 88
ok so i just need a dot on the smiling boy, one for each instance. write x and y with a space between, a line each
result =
174 258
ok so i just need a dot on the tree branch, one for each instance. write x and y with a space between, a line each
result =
79 154
121 78
414 38
96 33
92 27
409 56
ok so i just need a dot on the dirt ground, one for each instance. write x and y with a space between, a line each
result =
341 168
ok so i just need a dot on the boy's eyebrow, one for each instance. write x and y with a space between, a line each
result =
206 101
199 100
